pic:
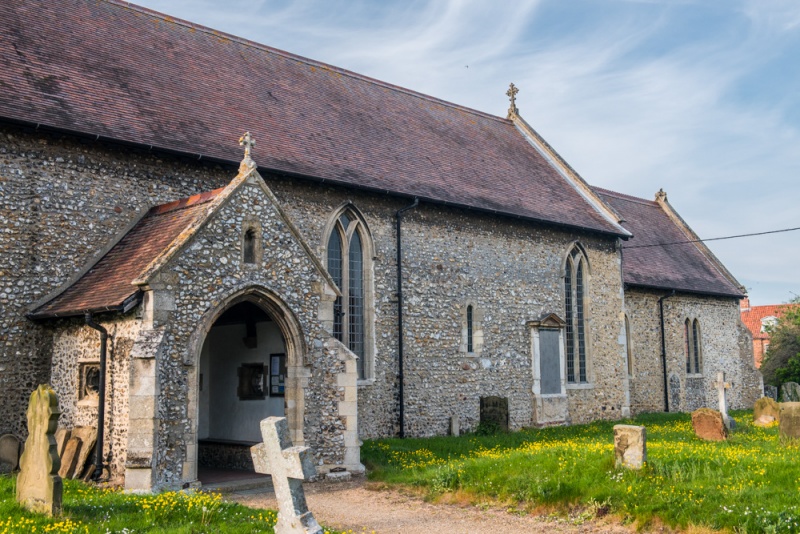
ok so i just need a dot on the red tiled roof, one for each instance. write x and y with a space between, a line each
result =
107 285
752 317
129 74
682 267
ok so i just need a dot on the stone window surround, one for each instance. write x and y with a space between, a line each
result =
587 280
477 329
690 325
82 400
368 257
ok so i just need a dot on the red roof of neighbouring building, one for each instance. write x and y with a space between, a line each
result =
125 73
752 316
107 285
683 267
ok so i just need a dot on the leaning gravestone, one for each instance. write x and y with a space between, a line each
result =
38 485
494 413
790 392
10 446
288 466
771 392
630 446
709 425
765 411
789 427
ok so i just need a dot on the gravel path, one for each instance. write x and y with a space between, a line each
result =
362 507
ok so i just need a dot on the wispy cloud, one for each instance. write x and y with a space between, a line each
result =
696 97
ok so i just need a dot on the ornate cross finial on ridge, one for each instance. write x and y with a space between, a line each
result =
247 142
512 95
661 196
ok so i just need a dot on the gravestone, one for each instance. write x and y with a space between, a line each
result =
708 425
38 485
789 426
771 392
494 413
62 435
765 411
69 460
10 446
630 446
289 467
88 437
455 426
790 392
722 386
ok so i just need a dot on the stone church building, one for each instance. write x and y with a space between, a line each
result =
376 265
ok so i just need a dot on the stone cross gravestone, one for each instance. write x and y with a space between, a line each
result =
38 485
289 467
723 401
630 446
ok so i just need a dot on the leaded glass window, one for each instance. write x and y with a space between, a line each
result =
575 313
345 252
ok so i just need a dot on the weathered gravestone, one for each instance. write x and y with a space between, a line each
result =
789 426
722 386
708 425
790 392
88 437
288 466
38 485
69 459
771 392
10 447
494 413
765 411
630 446
455 426
62 435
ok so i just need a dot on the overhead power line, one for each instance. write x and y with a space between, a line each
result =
713 238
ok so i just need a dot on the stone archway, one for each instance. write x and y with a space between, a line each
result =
296 378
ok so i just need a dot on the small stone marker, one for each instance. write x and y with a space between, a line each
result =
88 437
62 435
771 392
789 429
630 446
38 485
494 412
790 392
708 425
10 446
723 401
765 411
455 426
69 460
288 466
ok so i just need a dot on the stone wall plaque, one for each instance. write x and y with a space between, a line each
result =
550 361
494 412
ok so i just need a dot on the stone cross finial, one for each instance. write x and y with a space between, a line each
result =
512 95
661 196
39 487
288 466
721 386
248 143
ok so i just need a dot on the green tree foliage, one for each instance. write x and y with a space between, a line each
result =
782 361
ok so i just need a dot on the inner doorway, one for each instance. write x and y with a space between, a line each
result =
243 367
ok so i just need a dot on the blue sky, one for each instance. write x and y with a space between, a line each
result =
701 98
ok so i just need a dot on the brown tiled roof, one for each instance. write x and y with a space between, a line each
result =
129 74
107 286
752 317
682 267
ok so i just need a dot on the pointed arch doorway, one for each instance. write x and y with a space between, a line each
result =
249 367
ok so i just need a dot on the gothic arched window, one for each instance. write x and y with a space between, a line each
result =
347 258
691 335
249 246
575 274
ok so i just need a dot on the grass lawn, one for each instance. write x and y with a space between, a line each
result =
748 484
91 510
